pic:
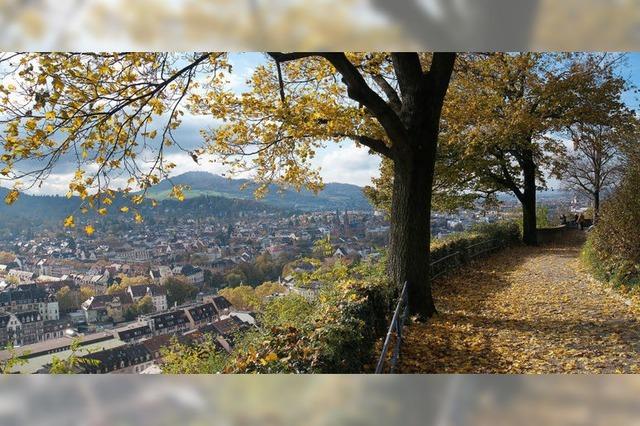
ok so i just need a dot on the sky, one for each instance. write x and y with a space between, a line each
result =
344 163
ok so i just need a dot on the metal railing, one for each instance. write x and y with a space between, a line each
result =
402 307
397 324
435 274
484 246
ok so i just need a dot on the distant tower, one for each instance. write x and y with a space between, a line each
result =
347 225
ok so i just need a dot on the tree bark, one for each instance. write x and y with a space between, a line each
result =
410 233
596 205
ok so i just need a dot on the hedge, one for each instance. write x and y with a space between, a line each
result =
460 248
613 247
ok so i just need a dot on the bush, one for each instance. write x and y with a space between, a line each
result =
286 311
613 249
183 358
336 333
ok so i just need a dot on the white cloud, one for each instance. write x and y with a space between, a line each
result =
348 164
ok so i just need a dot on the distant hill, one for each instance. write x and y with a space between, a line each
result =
548 195
35 211
210 195
333 196
34 207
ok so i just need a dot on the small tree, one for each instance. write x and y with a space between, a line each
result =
13 360
596 164
242 297
74 363
322 248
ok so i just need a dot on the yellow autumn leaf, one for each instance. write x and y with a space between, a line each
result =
176 192
68 222
271 357
124 209
12 196
89 230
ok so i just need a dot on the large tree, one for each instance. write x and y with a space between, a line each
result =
109 110
509 111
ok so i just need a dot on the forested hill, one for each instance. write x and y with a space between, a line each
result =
210 195
37 210
333 196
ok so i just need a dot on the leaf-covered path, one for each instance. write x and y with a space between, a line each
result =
526 310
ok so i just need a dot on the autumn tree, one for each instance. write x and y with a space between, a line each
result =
113 113
509 111
322 248
6 257
122 283
67 299
86 292
71 299
141 307
242 297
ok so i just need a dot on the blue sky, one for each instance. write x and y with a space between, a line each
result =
343 163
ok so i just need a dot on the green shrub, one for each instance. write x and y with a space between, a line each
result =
286 311
613 247
336 333
542 217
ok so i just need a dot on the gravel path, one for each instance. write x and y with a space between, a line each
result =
526 310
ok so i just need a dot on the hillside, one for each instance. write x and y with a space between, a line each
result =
37 211
333 196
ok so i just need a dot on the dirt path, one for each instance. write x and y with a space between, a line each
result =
526 310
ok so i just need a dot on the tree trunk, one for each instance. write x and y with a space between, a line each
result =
410 234
596 205
528 201
414 158
529 226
